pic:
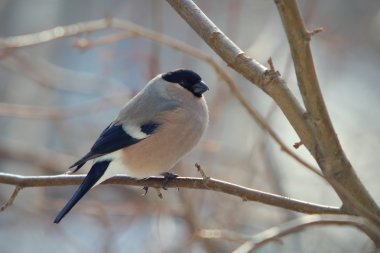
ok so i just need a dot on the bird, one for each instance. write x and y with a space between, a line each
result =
151 134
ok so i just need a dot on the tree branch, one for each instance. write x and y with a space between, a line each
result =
246 194
273 234
9 202
328 153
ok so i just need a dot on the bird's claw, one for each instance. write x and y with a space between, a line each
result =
145 188
168 176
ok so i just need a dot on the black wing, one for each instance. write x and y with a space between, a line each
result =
113 138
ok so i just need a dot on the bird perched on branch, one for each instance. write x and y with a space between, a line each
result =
152 132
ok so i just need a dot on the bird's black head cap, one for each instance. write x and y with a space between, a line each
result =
188 79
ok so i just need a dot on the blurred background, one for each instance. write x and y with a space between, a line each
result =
56 99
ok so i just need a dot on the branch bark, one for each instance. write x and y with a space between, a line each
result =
273 234
246 194
328 153
253 243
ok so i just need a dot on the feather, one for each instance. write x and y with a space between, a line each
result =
90 180
115 137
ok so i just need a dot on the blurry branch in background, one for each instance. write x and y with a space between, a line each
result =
324 146
190 216
246 194
45 159
84 44
53 77
59 113
223 234
273 234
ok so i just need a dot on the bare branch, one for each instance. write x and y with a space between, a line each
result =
328 153
53 34
84 44
272 234
223 234
9 202
246 194
316 31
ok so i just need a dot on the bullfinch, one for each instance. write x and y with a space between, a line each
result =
152 132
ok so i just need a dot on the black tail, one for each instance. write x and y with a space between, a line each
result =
92 177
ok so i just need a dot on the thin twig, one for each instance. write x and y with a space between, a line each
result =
9 202
244 193
272 234
316 31
84 44
201 171
222 234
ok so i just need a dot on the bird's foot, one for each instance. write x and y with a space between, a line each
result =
145 188
168 176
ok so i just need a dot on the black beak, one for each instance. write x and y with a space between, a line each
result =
199 88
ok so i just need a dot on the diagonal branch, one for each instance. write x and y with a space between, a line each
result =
9 202
329 153
246 194
273 234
